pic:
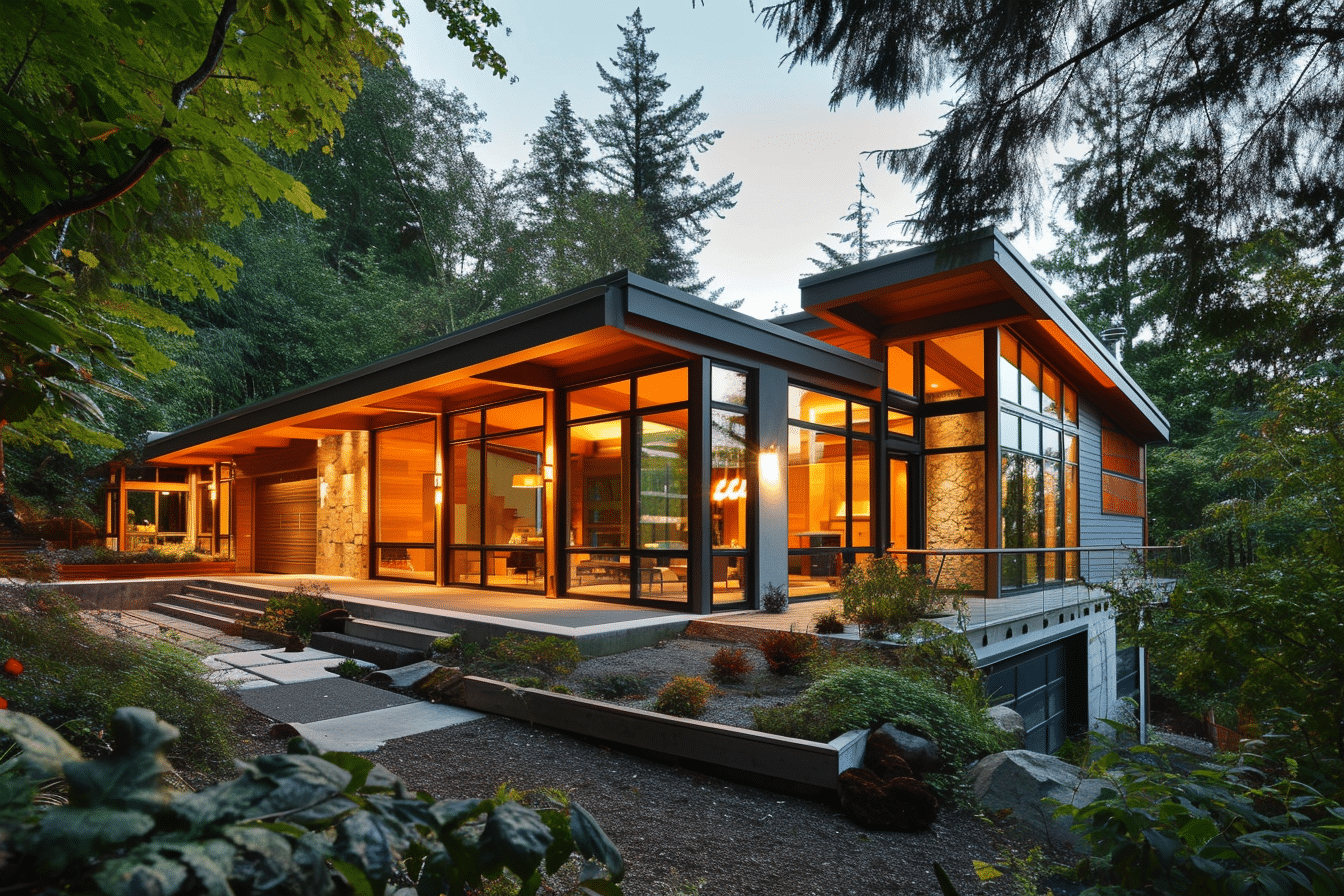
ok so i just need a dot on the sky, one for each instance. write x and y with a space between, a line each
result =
797 159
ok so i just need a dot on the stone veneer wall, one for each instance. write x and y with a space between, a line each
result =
955 488
343 513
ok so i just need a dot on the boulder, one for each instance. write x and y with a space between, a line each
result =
919 752
897 804
1007 719
1021 781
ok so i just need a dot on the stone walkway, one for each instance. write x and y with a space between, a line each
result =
299 691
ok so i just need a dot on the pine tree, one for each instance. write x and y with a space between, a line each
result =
860 240
649 157
559 168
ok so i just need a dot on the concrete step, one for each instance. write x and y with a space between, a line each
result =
380 653
200 617
208 605
223 596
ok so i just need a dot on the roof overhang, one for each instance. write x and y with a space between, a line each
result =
979 280
615 325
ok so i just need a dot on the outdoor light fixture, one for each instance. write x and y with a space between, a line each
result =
548 471
438 489
767 465
213 493
322 492
527 480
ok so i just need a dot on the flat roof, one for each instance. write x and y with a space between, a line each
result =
620 323
974 281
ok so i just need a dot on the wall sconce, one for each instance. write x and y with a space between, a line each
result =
767 465
322 492
527 480
548 472
438 489
213 492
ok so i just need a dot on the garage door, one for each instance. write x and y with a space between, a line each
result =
1048 686
287 525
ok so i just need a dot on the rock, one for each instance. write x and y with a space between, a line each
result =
920 753
898 804
1021 781
884 758
1007 719
443 685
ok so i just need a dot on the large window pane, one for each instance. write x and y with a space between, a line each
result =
595 401
728 386
901 370
668 387
816 488
860 509
817 407
728 479
1008 376
464 517
663 501
954 367
405 483
599 515
519 415
513 489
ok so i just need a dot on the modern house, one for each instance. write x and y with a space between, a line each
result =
627 441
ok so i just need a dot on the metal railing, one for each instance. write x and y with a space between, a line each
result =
996 584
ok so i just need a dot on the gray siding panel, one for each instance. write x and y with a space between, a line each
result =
1097 529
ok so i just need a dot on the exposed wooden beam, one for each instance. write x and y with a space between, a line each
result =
991 315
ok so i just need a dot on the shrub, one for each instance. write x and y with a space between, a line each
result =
863 697
350 668
775 598
880 596
448 645
75 679
296 612
1161 826
615 687
730 664
552 656
828 622
787 652
305 822
684 696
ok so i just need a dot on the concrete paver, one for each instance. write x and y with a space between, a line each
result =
319 700
293 673
301 656
366 732
246 659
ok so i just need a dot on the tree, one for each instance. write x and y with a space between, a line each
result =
128 129
1248 94
650 149
578 232
860 240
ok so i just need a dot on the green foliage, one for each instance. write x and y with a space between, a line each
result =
552 656
97 554
616 687
75 679
685 695
786 653
446 645
1162 826
730 664
296 612
859 244
774 598
829 622
650 148
303 822
865 696
881 595
351 669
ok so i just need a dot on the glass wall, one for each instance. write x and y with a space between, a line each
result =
1038 468
730 481
406 492
829 488
496 482
628 486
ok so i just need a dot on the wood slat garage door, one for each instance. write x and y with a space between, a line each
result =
286 539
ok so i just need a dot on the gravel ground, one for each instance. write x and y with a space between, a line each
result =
682 832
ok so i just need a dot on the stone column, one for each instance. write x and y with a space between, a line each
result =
343 505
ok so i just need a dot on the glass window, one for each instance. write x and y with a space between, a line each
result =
599 512
816 407
1050 403
860 417
817 487
1010 430
405 471
464 476
1030 381
901 424
899 483
1070 406
1008 376
514 487
515 416
597 401
465 426
668 387
901 370
728 386
1031 437
954 367
664 504
728 479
